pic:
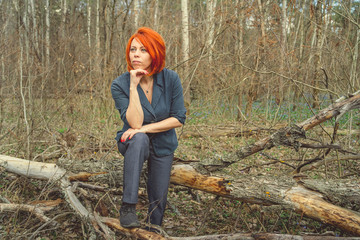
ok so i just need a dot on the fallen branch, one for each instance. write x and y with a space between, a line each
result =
37 211
134 232
335 110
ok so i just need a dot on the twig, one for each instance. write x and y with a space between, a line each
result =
317 146
108 234
4 200
47 223
277 160
38 211
90 186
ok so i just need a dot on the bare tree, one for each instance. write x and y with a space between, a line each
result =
97 38
239 12
63 20
185 49
316 48
136 13
210 10
283 50
47 36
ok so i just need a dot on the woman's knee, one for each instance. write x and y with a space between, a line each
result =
140 138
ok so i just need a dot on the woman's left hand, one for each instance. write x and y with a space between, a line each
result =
129 134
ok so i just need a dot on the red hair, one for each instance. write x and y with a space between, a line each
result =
155 46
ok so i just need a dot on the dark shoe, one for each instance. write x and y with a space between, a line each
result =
128 218
153 229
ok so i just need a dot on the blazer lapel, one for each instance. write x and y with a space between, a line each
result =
157 90
144 101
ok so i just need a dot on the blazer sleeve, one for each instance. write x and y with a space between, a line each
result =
177 109
120 97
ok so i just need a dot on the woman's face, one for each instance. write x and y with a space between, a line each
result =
139 56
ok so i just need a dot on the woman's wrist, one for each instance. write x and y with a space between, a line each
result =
133 87
144 129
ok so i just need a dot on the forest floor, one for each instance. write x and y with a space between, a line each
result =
78 143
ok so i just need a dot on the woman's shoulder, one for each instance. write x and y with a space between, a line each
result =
169 73
122 80
168 76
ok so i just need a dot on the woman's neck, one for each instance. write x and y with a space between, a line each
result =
146 79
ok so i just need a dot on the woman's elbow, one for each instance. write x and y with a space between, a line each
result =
135 126
178 124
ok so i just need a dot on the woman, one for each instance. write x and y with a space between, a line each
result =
150 100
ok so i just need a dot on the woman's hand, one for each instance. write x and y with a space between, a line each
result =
129 134
136 75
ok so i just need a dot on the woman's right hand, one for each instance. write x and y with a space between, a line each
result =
136 75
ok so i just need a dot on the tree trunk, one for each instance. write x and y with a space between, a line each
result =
156 15
185 50
136 13
210 10
63 20
354 81
316 47
97 39
47 35
257 77
35 27
239 49
283 50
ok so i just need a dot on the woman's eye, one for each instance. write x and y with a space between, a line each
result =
132 50
143 50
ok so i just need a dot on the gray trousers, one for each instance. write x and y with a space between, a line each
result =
136 151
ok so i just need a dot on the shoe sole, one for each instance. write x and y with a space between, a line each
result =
131 225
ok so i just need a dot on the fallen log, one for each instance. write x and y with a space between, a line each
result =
264 236
55 174
299 194
313 198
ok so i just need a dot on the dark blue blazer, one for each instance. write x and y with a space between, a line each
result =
167 101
